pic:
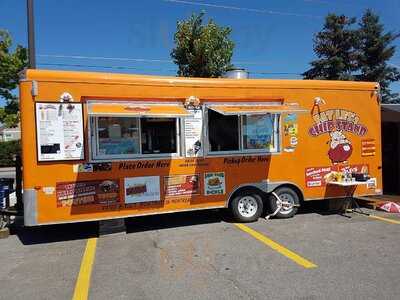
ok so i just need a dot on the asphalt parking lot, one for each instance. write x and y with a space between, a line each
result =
203 255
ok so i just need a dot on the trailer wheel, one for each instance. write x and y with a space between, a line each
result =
246 207
290 202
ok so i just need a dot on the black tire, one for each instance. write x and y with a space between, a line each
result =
246 201
286 194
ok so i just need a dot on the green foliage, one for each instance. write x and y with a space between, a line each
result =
202 50
11 63
335 49
348 53
375 50
7 152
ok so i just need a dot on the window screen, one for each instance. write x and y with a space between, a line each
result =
258 131
131 136
242 133
118 136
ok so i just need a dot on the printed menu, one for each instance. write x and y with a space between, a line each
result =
59 129
193 132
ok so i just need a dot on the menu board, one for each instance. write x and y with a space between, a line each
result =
193 133
59 128
87 192
142 189
178 185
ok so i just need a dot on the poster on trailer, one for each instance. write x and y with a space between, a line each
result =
178 185
59 129
142 189
193 133
87 192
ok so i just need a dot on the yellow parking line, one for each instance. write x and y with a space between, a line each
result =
83 282
279 248
384 219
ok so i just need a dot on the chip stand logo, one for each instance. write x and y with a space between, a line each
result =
337 123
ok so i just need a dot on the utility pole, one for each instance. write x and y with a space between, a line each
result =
31 35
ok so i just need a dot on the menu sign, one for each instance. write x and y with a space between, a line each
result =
59 131
214 183
87 192
142 189
193 132
178 185
316 176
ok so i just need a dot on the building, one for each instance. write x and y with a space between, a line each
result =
10 134
391 148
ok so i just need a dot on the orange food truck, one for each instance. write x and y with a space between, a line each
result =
99 146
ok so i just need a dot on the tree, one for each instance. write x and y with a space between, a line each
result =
11 63
202 50
335 49
7 151
375 50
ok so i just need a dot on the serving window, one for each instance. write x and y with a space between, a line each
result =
260 132
242 133
124 131
223 132
125 137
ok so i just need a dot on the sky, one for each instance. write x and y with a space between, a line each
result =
273 39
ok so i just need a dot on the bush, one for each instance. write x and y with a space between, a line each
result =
7 152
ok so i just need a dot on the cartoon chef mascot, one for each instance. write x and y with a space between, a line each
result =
340 147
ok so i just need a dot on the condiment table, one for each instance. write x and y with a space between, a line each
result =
349 188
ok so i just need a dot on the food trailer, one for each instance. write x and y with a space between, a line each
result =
99 146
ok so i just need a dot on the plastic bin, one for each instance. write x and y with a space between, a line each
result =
2 197
6 186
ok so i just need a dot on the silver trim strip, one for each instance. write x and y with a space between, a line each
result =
30 207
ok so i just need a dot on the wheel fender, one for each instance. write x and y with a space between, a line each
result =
274 186
255 187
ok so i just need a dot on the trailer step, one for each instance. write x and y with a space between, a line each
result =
112 226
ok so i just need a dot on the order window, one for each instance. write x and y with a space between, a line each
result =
242 133
223 132
124 137
258 132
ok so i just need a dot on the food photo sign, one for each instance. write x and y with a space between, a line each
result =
214 183
142 189
87 192
178 185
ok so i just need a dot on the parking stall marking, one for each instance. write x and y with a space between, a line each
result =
277 247
384 219
83 282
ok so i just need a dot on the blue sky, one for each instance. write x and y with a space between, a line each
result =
270 36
